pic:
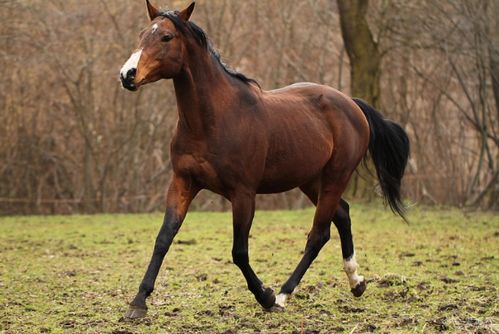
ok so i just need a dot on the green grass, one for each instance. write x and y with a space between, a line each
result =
75 274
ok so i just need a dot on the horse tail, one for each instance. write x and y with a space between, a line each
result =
389 149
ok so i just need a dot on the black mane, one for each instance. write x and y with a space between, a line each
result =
202 39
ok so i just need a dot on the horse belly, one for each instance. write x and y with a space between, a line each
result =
296 161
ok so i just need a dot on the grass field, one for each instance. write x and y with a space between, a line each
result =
75 274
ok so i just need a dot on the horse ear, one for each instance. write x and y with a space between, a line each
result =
186 13
151 10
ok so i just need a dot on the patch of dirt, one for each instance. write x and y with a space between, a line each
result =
448 307
202 277
471 321
408 321
207 313
121 331
370 328
313 288
68 323
351 309
173 313
439 324
68 273
448 280
407 254
391 280
186 242
301 295
423 286
226 310
94 323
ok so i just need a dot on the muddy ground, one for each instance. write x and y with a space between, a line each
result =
66 274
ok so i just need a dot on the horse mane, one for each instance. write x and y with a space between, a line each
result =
200 36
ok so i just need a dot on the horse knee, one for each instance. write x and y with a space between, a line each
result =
240 257
317 240
160 247
326 235
165 236
163 243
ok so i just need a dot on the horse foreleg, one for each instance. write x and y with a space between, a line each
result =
342 222
243 210
180 194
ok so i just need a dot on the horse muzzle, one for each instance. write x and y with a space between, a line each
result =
128 80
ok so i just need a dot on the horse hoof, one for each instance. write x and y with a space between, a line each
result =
359 289
267 300
275 308
135 312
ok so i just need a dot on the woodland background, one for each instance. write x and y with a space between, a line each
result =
72 140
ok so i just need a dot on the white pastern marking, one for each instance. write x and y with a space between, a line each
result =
350 266
155 27
131 63
280 299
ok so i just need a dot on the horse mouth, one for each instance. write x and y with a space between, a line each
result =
130 87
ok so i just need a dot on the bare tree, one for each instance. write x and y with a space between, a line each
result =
73 141
362 49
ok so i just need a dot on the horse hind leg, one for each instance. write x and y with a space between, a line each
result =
311 190
341 219
343 224
327 202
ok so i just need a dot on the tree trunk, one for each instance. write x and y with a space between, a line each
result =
493 48
88 186
362 50
365 62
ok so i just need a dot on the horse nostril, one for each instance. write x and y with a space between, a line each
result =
131 73
128 80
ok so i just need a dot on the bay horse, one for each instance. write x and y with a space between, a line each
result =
237 140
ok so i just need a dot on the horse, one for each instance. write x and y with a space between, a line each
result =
237 140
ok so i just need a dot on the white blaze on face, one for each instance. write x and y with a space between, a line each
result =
131 63
350 266
155 27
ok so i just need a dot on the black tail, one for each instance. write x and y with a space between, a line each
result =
389 150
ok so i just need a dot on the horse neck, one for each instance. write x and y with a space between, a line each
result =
203 91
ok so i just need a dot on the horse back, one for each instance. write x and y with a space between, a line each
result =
335 116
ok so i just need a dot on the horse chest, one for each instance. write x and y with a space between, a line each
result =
199 168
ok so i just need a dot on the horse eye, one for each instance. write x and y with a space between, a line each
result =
166 38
